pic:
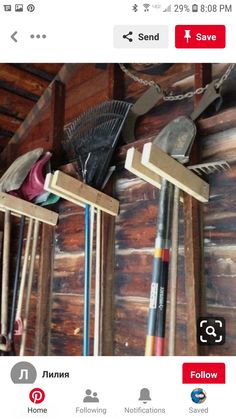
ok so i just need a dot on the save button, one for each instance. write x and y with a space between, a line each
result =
200 36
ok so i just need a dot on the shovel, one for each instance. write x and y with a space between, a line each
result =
176 139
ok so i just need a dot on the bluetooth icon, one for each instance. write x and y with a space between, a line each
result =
135 8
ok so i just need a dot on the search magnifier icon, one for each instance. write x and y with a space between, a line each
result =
210 331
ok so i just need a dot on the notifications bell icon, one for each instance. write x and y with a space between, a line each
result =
144 395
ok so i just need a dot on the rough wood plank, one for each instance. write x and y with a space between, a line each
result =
220 122
9 123
194 277
64 75
159 162
44 297
14 104
48 67
20 79
18 206
133 163
57 121
76 191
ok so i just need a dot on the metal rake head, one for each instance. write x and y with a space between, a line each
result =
210 167
91 139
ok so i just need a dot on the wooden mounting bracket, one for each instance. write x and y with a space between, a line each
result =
79 193
155 163
20 207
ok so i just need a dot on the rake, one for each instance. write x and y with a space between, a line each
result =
90 141
207 168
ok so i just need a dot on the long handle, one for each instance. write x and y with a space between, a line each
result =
29 287
16 279
157 268
97 318
23 278
163 284
5 274
174 273
87 285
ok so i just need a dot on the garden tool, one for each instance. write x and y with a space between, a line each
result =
4 343
175 139
91 140
18 170
206 168
29 287
18 319
31 186
143 105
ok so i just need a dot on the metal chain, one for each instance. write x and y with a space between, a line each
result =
183 96
139 80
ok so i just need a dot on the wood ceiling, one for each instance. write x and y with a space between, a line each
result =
21 85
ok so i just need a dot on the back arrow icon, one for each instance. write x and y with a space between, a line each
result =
13 36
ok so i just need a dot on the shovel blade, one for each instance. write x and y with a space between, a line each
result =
176 138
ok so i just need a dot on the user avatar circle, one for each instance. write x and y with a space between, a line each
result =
198 395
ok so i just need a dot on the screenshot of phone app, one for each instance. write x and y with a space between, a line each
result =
117 208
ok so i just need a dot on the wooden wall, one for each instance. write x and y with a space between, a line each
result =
135 225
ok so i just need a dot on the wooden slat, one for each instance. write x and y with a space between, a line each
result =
219 122
134 164
22 80
57 121
49 186
3 142
44 300
21 207
9 123
40 107
75 191
48 68
16 105
193 240
159 162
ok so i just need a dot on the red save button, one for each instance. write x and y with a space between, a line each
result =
204 373
200 36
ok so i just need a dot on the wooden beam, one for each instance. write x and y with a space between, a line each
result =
116 89
21 207
216 123
222 121
165 166
16 105
44 293
107 279
133 164
49 68
50 187
9 123
57 121
45 279
20 79
76 191
64 75
193 241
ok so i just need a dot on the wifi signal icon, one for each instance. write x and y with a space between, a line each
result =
146 7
